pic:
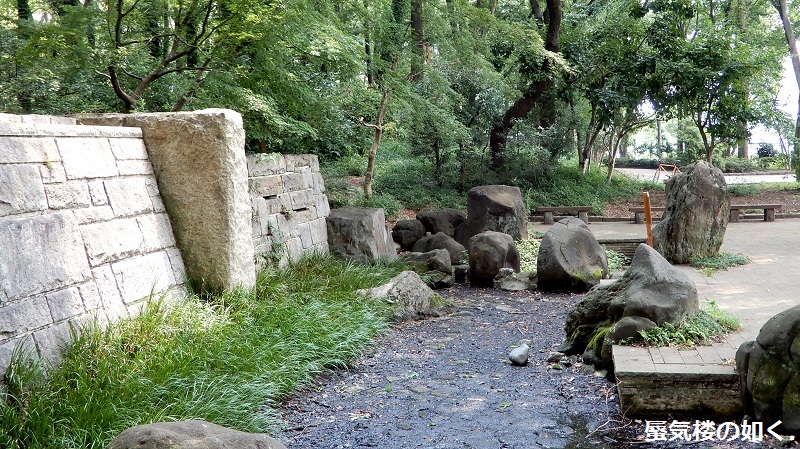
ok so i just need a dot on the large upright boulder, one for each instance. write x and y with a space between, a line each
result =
490 251
360 233
194 434
696 214
651 292
769 372
445 220
570 259
494 208
407 233
441 241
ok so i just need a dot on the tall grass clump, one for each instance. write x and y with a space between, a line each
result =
226 359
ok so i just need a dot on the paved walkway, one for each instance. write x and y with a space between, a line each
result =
754 292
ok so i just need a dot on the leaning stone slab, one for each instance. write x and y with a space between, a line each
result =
651 289
191 435
191 153
360 233
410 295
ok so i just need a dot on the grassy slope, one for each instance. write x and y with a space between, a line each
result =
224 360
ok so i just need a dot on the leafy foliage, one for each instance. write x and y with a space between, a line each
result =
710 324
719 262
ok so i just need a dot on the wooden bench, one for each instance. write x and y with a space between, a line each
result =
583 212
638 213
769 211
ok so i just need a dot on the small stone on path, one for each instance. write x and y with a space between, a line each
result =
519 356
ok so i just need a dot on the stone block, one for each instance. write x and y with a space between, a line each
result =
304 232
69 195
156 232
176 261
35 118
128 149
319 231
322 205
39 254
90 296
360 233
24 316
191 153
7 347
65 304
302 199
127 168
266 185
21 190
52 341
59 120
294 162
86 157
10 118
293 182
22 150
277 225
265 164
128 196
53 172
308 177
97 192
138 277
294 249
319 183
113 240
93 214
109 292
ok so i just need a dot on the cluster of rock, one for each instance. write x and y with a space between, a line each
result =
651 292
769 372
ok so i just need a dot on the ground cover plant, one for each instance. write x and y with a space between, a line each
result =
707 326
722 261
225 359
529 251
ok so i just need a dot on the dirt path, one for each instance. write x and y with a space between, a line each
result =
446 383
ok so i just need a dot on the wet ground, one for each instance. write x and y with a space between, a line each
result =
446 383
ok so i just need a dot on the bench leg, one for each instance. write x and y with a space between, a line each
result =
548 218
584 216
769 214
734 216
638 217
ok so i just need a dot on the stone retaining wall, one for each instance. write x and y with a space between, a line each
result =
289 206
83 230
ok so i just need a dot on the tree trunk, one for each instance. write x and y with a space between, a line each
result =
376 141
536 93
417 63
783 11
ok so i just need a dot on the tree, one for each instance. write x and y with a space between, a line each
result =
791 41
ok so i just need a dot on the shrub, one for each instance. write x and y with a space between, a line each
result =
721 261
707 326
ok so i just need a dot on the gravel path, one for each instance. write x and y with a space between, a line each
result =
446 383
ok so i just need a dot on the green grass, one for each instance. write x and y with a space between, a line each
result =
722 261
226 360
529 250
702 329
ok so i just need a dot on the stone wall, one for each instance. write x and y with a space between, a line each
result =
83 230
289 205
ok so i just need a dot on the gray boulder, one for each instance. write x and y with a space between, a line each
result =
696 215
510 281
360 233
435 260
438 280
651 292
445 220
441 241
490 251
494 208
570 259
409 294
407 233
191 435
769 372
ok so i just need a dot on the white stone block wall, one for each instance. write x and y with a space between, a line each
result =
83 230
289 205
